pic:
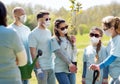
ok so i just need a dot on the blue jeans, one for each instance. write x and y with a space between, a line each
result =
25 81
49 77
66 78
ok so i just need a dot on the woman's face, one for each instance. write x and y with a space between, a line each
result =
62 28
95 36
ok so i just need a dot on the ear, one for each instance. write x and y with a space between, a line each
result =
57 29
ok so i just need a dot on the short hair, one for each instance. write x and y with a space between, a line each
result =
3 14
42 13
16 9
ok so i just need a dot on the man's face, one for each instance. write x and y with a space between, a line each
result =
43 20
18 14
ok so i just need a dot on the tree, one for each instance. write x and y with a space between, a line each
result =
75 11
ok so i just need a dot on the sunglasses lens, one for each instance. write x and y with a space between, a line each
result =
47 19
63 28
91 34
96 35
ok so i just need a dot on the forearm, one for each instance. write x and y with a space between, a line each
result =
105 72
61 55
107 61
34 54
21 58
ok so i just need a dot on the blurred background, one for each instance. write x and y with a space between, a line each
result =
81 15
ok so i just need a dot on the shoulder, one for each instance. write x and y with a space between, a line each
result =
10 32
53 38
11 26
33 32
48 30
89 47
25 28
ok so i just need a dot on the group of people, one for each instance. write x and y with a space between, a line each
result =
104 59
19 46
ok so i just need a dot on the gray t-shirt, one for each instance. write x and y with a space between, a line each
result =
40 39
66 49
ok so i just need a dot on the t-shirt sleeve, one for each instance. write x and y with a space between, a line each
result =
115 49
32 41
54 44
17 43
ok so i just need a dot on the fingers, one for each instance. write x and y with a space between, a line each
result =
94 67
73 68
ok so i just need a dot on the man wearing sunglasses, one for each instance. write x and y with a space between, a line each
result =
40 39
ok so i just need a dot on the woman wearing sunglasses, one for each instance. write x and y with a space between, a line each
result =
66 44
94 53
111 27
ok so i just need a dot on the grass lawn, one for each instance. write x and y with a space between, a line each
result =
82 42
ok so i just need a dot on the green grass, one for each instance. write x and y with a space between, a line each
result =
81 42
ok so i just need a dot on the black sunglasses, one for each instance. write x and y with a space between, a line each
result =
96 35
47 19
63 28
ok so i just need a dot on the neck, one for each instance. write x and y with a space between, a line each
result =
114 34
41 26
18 23
62 35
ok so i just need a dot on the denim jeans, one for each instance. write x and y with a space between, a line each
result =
49 77
25 81
66 78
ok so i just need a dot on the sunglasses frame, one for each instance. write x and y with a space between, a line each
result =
95 35
63 28
47 19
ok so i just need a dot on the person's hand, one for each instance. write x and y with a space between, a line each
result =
73 38
94 67
40 73
72 68
105 81
83 81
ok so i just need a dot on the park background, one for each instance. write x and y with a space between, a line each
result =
80 21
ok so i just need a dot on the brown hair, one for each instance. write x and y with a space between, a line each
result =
111 21
57 23
101 34
99 43
42 13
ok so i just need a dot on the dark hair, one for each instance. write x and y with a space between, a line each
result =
41 14
57 24
3 14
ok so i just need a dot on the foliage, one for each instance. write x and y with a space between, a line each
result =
80 23
75 11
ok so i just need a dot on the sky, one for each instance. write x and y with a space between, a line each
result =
56 4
